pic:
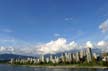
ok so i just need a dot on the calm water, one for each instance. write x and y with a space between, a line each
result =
4 67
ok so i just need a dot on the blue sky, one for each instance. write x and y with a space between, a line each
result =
24 22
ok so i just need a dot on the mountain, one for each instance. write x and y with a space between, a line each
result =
9 56
15 56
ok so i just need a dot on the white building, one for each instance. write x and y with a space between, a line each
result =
89 55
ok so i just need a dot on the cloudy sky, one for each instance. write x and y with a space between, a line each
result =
51 26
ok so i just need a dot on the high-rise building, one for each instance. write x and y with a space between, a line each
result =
63 57
12 60
95 55
77 57
81 54
89 55
42 59
66 57
51 58
74 57
70 57
47 60
56 59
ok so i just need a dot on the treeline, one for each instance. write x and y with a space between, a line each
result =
4 61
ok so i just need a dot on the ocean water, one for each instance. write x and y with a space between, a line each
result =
5 67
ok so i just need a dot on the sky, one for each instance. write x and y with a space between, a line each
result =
33 27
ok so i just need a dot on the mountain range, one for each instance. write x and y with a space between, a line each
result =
15 56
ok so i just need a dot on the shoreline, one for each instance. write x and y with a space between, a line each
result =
99 67
61 66
64 66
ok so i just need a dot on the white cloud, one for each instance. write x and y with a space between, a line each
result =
4 49
51 47
103 45
104 26
59 45
89 44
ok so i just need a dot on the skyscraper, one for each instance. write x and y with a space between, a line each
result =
89 55
42 59
77 57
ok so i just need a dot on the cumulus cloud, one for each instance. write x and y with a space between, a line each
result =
104 26
51 47
89 44
103 45
4 49
55 46
18 50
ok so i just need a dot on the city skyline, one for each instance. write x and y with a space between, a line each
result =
69 58
32 27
